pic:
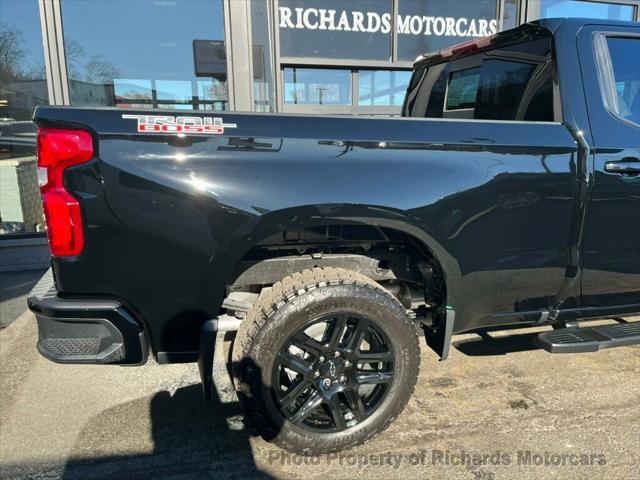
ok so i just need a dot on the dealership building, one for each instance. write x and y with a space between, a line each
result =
303 56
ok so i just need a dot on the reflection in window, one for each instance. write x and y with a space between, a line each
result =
174 90
579 8
211 94
22 87
357 29
626 100
315 86
517 86
22 76
132 89
382 87
175 58
501 88
510 14
422 24
462 90
263 82
435 98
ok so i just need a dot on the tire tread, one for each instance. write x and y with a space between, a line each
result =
274 299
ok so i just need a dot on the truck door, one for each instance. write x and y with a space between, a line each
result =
610 63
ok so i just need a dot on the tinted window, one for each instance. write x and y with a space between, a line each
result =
540 108
625 63
462 90
146 53
501 87
514 82
435 103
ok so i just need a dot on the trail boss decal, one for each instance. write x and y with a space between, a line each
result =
190 125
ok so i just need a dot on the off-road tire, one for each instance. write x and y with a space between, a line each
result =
287 307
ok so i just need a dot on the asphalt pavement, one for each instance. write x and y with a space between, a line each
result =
14 287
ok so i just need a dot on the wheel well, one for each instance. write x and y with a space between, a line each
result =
398 261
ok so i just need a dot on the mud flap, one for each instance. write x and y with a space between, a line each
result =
439 338
208 334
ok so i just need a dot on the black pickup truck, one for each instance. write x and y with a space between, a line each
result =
508 193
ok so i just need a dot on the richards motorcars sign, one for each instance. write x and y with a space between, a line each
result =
362 29
372 22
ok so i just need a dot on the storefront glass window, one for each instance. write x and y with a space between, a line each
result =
510 14
430 25
315 86
354 29
382 87
579 8
22 87
263 82
174 58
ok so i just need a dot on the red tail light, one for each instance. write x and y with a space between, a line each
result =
58 150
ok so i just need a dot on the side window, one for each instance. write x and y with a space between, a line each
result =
514 82
621 80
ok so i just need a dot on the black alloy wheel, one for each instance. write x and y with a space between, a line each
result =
324 360
333 373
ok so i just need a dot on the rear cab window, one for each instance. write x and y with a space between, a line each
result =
462 89
513 79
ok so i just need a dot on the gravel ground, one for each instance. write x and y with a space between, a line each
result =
498 408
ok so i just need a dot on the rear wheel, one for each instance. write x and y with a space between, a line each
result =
325 360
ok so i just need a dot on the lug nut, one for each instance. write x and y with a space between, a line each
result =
336 354
347 363
316 374
321 358
343 379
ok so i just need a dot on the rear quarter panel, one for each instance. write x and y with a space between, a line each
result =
168 218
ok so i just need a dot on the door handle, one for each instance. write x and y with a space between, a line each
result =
628 167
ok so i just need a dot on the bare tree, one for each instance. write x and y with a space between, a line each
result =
74 53
99 70
12 53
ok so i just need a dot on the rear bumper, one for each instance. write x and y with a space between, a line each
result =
96 331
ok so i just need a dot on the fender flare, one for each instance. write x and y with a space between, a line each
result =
223 262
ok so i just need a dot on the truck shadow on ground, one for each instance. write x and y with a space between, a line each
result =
489 345
17 284
14 288
191 439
